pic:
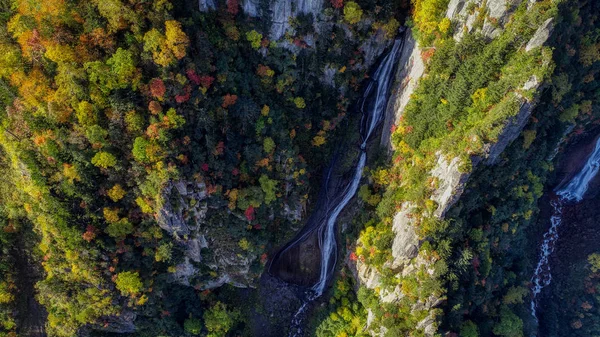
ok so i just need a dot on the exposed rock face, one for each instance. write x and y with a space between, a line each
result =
450 181
182 215
541 35
250 7
406 243
464 14
283 10
373 47
189 199
410 69
206 5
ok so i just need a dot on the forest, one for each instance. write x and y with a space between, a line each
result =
154 156
106 105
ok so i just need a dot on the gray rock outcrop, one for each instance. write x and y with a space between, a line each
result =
541 35
410 69
448 178
206 5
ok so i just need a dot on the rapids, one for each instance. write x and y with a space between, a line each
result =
571 192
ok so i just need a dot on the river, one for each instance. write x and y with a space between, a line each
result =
571 192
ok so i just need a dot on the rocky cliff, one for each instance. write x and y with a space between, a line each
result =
281 12
449 174
186 208
183 215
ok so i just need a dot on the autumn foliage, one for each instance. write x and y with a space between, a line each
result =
229 100
233 7
157 88
337 3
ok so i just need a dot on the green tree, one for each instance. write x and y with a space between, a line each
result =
219 320
96 135
164 252
193 326
254 38
510 325
515 295
104 160
268 145
469 329
119 229
6 295
352 12
268 186
594 261
139 149
123 68
299 102
129 283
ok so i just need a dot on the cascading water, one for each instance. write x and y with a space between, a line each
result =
571 192
372 107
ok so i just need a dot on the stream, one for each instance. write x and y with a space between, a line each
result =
571 192
372 106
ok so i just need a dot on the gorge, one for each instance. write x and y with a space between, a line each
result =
364 168
333 199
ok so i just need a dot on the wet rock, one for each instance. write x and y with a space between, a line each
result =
372 48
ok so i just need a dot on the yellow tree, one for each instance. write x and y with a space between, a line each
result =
167 48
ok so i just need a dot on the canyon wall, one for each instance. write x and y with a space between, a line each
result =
408 259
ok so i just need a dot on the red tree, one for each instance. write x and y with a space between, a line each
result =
229 100
185 96
157 88
337 3
154 107
233 7
191 74
206 81
249 213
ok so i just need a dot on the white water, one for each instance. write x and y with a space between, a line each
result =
571 192
381 80
372 115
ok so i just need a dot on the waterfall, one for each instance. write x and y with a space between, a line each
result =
573 191
372 106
